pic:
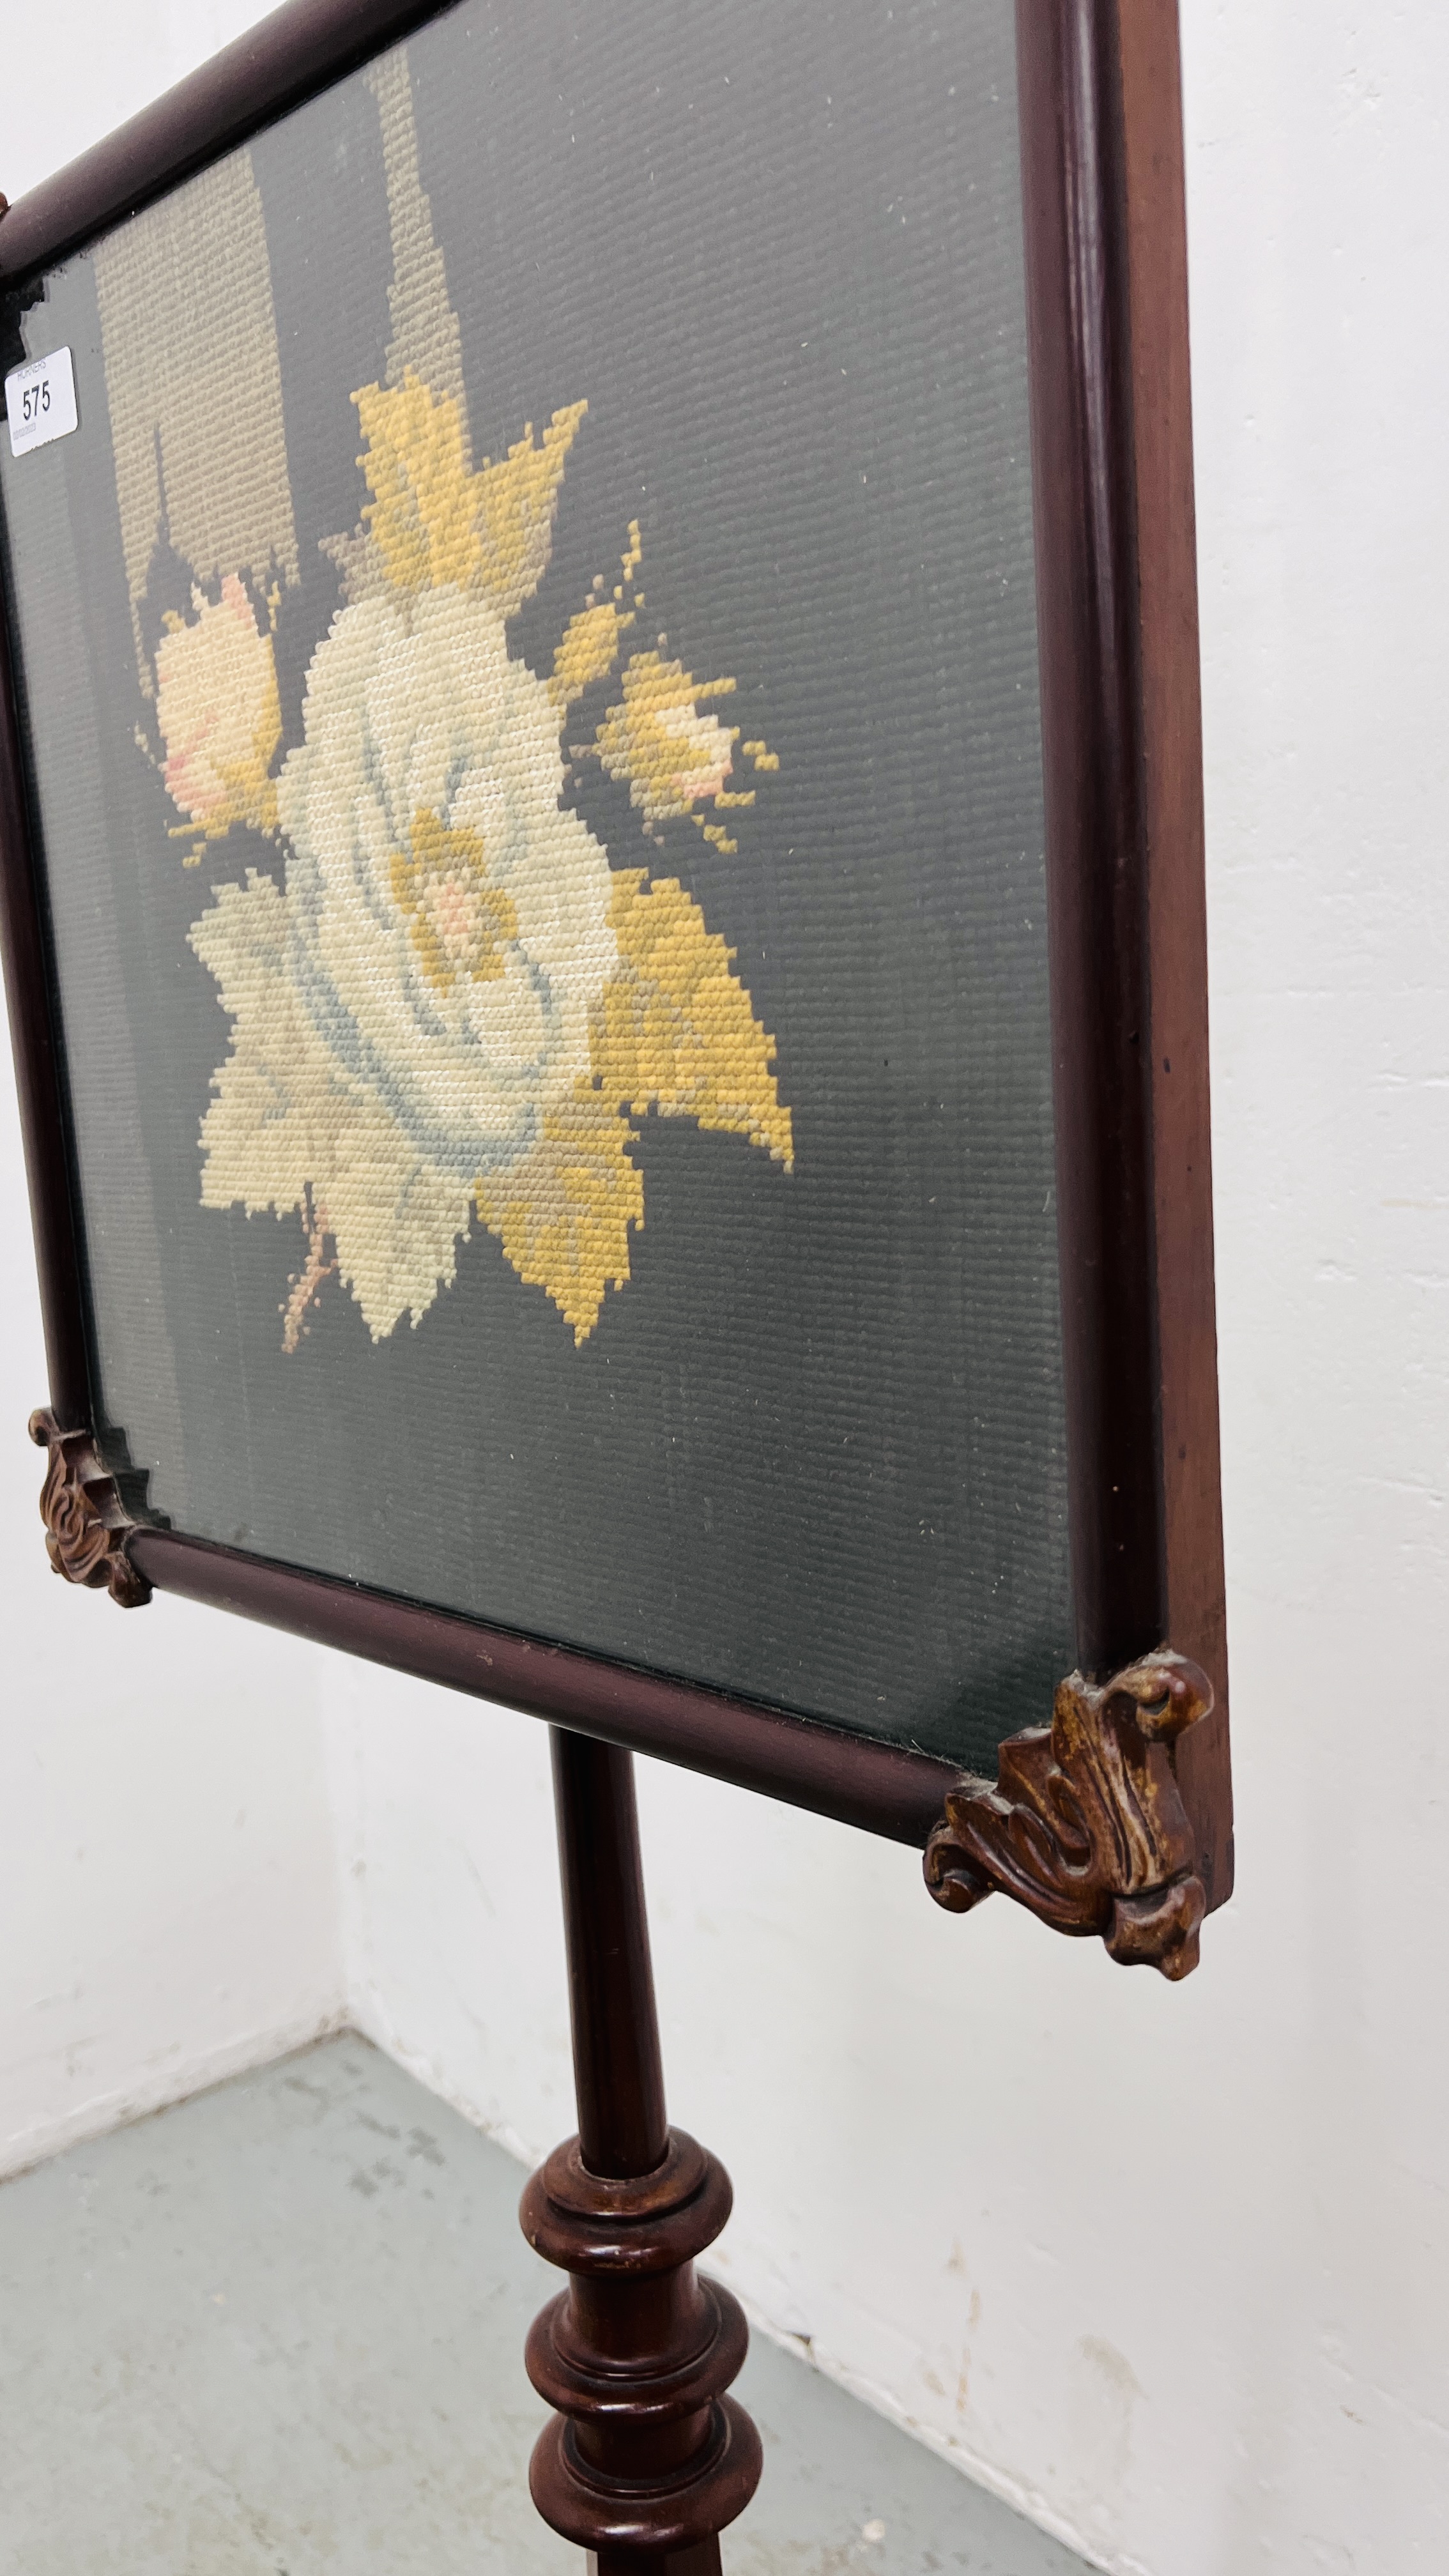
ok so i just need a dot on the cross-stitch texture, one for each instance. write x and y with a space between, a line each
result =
434 1013
174 395
529 672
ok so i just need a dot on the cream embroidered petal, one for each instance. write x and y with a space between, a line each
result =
217 707
396 1220
286 1122
271 1122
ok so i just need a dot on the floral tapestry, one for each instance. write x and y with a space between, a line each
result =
530 690
450 1003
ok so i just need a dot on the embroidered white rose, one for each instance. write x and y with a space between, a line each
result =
456 1004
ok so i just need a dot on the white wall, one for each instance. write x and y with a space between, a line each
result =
168 1905
1167 2265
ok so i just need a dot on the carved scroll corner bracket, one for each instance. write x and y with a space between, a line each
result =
86 1524
1086 1824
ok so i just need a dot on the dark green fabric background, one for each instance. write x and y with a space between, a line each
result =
814 1450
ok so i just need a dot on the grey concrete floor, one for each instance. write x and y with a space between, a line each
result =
278 2330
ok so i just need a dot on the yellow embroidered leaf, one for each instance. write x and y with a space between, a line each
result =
563 1214
657 739
515 511
591 640
588 650
675 1030
431 522
421 515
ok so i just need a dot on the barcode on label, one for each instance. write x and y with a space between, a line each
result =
40 401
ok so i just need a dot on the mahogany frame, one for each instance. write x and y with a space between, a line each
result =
1102 167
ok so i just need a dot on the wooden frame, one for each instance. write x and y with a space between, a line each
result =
1103 186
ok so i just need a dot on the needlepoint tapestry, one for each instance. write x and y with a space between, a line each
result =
530 688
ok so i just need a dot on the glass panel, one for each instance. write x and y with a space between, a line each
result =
529 661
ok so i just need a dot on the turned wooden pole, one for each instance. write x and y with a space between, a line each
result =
646 2459
618 2071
